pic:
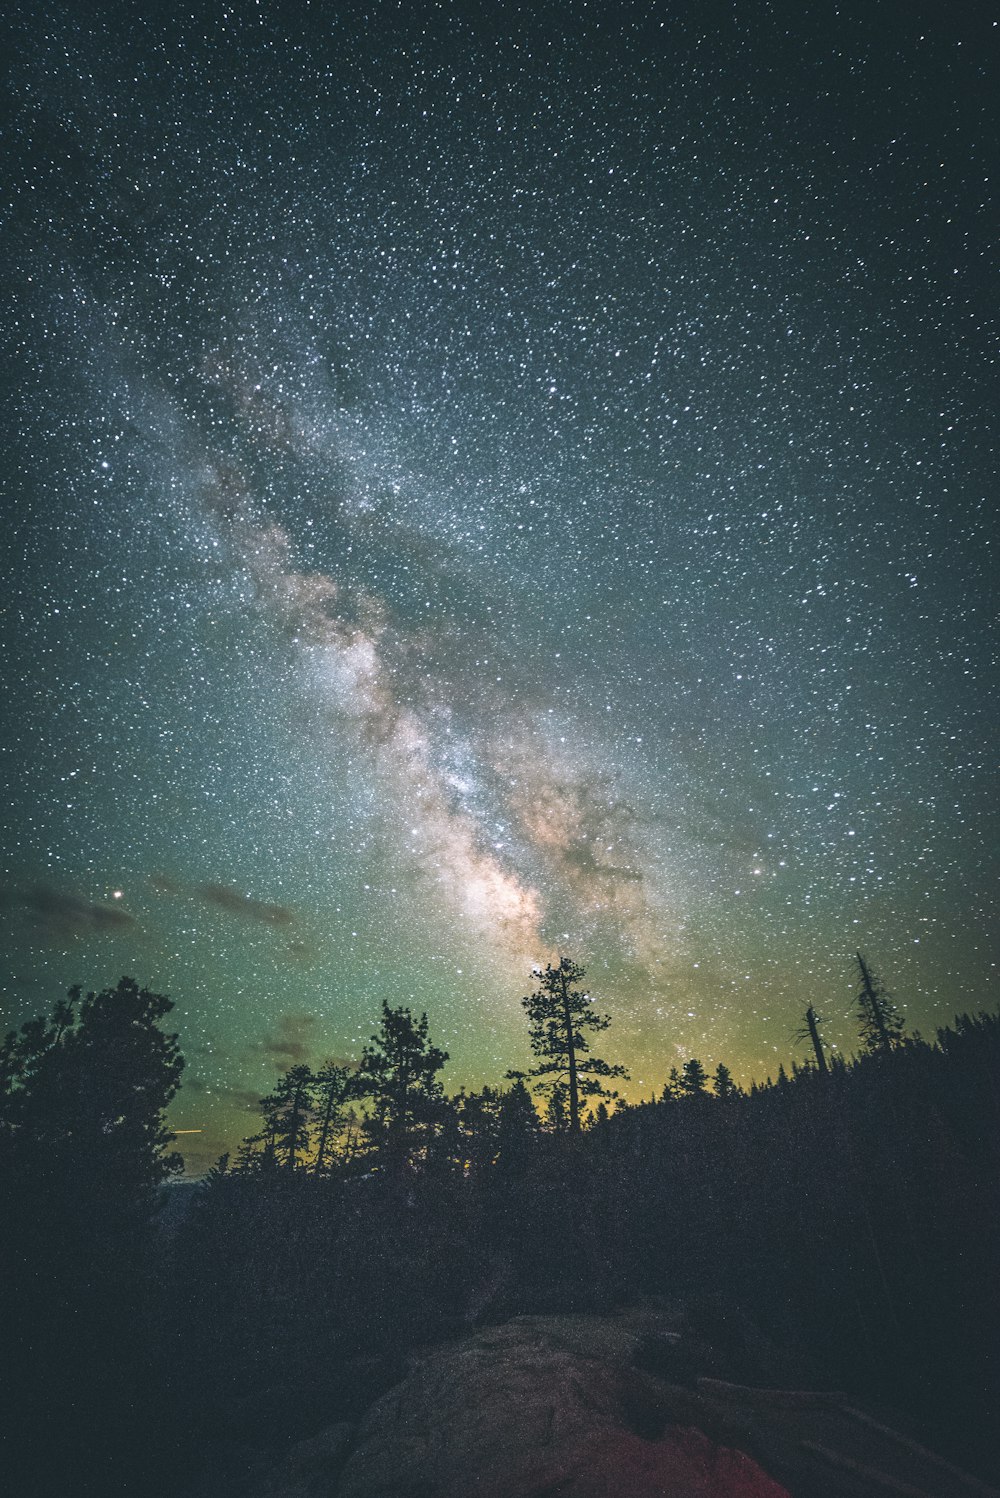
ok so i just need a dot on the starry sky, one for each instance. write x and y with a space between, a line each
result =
490 482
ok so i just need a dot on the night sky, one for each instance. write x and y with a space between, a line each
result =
488 483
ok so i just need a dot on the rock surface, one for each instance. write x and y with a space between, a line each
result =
604 1407
518 1411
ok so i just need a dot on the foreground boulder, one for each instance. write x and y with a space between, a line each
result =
515 1411
605 1407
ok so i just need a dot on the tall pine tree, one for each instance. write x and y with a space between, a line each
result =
288 1116
398 1071
560 1018
879 1021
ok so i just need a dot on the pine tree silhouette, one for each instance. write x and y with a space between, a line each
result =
398 1071
560 1016
879 1021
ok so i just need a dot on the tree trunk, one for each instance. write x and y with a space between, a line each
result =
574 1096
871 998
324 1132
817 1043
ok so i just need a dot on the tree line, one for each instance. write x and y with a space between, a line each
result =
390 1107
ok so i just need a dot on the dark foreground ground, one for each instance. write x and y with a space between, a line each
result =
595 1406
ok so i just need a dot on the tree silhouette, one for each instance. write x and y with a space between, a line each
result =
557 1108
559 1017
879 1021
693 1079
517 1126
287 1116
87 1088
475 1122
83 1149
398 1071
672 1086
334 1087
810 1032
722 1082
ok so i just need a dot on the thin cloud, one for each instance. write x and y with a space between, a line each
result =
57 915
244 1096
224 897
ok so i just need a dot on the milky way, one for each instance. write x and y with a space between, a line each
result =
490 483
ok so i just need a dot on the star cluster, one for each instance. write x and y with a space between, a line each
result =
491 482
